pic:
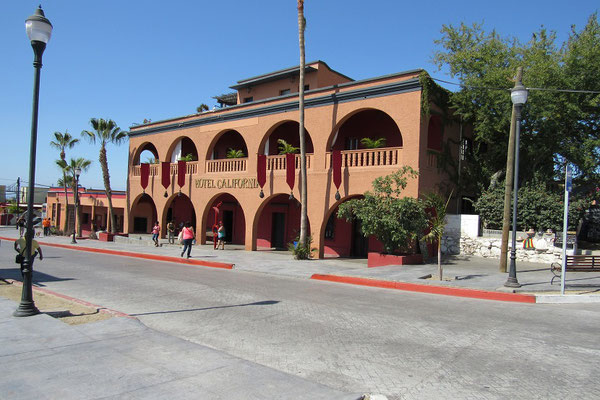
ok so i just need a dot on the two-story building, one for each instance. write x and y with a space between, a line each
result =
339 113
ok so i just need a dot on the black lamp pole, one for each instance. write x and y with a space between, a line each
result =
38 30
518 96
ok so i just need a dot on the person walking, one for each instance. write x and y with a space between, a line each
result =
188 236
20 246
155 233
171 232
46 225
221 236
21 225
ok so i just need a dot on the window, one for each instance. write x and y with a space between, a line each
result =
284 91
330 228
248 99
351 143
306 87
85 218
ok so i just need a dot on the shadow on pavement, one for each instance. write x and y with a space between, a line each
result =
258 303
38 277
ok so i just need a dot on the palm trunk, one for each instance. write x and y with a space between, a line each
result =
303 184
66 214
106 178
439 249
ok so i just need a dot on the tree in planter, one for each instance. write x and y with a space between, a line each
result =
286 148
394 220
435 203
369 143
231 153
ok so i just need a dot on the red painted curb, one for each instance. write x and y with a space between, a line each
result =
413 287
101 309
203 263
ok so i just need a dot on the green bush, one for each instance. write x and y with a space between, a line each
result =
302 252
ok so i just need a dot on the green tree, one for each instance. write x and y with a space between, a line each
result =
187 157
62 142
201 108
557 126
69 180
436 206
105 132
394 220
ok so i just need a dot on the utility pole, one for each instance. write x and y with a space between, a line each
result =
508 183
18 193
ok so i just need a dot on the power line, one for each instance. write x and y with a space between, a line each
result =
508 89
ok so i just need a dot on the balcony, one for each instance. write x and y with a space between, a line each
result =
278 163
386 156
226 165
191 169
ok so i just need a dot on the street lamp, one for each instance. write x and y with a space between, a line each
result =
39 30
76 174
518 96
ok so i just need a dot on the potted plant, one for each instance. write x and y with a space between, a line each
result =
369 143
395 221
286 148
231 153
187 157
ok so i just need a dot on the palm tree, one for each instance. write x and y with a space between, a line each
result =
302 240
435 203
201 108
286 148
372 143
106 131
83 164
231 153
64 141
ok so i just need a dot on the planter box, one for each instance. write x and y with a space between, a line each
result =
380 260
105 237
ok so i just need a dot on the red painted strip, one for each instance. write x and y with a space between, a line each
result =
203 263
74 300
413 287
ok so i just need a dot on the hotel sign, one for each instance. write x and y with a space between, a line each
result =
227 183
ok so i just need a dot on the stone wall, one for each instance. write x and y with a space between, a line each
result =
460 237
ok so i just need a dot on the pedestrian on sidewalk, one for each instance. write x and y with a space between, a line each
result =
188 236
171 232
46 225
155 233
221 236
21 248
21 225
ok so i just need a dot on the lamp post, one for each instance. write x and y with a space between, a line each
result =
39 30
518 96
76 174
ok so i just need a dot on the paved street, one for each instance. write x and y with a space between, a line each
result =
356 339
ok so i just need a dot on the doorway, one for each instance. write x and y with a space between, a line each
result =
278 230
228 224
360 244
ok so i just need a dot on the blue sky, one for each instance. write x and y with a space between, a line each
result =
128 60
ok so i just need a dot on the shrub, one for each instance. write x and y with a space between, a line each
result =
302 252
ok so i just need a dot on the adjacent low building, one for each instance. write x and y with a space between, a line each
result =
224 149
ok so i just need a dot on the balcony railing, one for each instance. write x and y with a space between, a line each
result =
191 168
226 165
276 163
369 157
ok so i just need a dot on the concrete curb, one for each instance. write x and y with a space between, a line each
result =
431 289
212 264
100 309
566 299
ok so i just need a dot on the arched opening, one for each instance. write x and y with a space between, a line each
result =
372 125
182 148
288 131
143 214
147 153
180 210
434 133
232 215
343 238
278 223
228 141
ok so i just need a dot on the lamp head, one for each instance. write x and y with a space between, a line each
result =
77 172
518 94
38 27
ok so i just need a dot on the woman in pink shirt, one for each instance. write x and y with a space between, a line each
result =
188 236
155 233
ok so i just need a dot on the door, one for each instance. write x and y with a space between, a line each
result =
228 224
360 244
278 230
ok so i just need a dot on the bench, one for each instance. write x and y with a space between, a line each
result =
576 263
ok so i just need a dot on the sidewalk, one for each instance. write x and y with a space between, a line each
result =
463 276
120 358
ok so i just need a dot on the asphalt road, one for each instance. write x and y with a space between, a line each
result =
401 344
